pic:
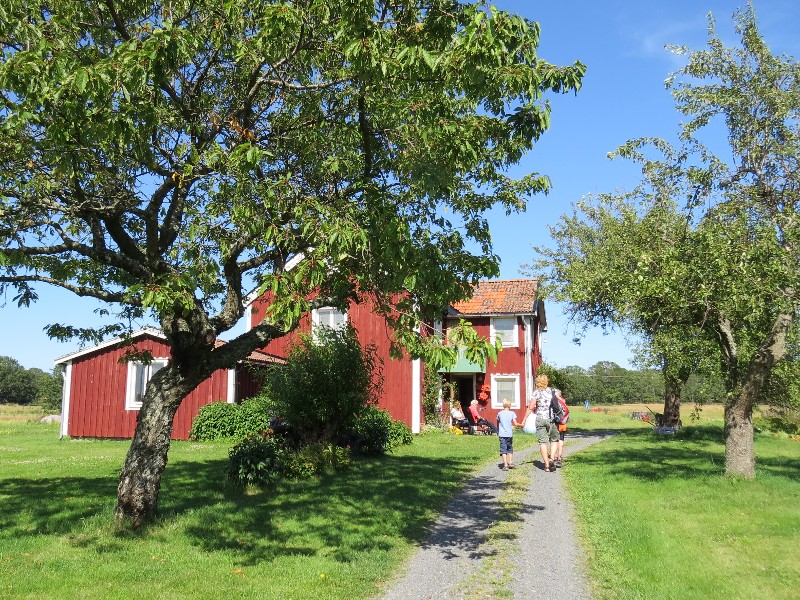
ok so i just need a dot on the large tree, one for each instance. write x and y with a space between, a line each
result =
17 386
728 273
614 264
168 158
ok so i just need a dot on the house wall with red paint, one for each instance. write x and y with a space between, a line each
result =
511 361
95 393
402 378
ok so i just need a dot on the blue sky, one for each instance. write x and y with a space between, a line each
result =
623 97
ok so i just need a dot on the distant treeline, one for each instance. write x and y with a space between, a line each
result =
608 383
19 385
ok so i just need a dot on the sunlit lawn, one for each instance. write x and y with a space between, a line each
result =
657 516
660 520
340 537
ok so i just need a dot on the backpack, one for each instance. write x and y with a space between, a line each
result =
559 409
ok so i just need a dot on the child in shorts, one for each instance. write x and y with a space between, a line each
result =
506 421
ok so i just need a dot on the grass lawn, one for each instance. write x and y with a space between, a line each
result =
340 537
659 519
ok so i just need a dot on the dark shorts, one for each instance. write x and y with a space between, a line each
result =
506 445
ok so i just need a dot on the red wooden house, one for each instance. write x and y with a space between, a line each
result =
102 396
508 308
511 310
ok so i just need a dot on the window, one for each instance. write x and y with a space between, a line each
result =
327 317
138 376
506 329
505 387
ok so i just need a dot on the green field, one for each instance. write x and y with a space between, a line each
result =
660 520
657 517
339 537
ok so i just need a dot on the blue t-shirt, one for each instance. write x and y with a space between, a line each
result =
506 420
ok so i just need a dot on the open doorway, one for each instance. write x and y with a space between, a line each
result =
465 391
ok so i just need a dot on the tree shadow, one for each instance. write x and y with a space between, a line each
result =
376 501
693 452
362 510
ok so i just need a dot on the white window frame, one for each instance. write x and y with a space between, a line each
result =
497 402
319 318
513 335
134 387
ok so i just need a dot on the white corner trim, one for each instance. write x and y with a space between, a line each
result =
66 392
248 317
231 386
416 396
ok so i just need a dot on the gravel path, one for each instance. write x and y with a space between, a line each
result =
457 542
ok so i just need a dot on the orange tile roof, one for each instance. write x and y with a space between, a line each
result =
263 357
508 296
256 355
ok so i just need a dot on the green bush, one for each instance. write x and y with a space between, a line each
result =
214 421
400 434
321 459
260 460
325 385
375 432
265 458
779 419
222 421
252 416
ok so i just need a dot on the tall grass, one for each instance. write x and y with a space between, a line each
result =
660 520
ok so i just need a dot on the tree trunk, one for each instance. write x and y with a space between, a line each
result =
739 446
140 480
672 400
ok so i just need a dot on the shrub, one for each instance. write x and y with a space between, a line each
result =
214 421
376 433
265 458
252 416
221 421
400 434
325 385
779 419
321 459
260 460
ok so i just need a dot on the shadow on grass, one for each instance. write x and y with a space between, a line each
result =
370 509
57 505
363 510
694 452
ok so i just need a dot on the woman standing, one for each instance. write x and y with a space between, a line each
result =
546 430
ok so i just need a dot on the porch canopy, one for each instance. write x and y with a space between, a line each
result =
464 366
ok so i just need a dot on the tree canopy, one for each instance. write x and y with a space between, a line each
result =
711 252
170 158
17 385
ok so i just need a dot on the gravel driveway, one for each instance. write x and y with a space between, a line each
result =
458 543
